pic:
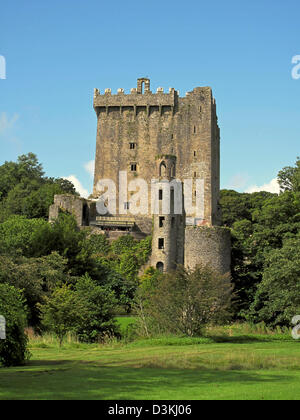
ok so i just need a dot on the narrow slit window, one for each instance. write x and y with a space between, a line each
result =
132 146
126 205
161 243
195 153
161 222
172 222
195 130
133 167
160 194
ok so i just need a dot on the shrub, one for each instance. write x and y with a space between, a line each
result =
184 302
86 310
13 350
62 311
98 321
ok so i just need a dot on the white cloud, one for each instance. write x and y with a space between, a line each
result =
272 187
237 182
7 123
78 186
90 167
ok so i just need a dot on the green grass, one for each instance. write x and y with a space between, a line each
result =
124 322
227 364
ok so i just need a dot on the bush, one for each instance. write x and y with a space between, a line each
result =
184 302
13 350
61 312
85 310
98 322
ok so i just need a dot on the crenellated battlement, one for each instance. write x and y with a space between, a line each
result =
136 97
142 96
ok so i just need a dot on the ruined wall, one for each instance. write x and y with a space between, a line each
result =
208 245
79 207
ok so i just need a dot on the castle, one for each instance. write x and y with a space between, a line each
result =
165 140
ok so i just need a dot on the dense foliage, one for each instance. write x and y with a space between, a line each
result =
52 263
183 302
55 268
265 249
24 189
13 350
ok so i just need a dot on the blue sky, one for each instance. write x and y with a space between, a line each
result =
57 52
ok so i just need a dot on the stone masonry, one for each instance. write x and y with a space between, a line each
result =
141 133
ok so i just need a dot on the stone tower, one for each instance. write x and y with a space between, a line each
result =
166 141
168 221
132 129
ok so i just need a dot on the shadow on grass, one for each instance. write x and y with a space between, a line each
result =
239 339
49 362
94 382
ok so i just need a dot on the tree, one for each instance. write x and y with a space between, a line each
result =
185 301
99 303
37 277
289 177
25 236
62 311
24 190
27 168
277 298
97 245
123 244
234 207
85 309
13 350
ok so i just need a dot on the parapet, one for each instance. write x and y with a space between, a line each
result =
141 96
137 96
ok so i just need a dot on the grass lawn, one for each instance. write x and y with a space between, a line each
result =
242 367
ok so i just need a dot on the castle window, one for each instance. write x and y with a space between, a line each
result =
195 174
126 205
133 167
172 199
132 146
172 222
195 129
161 243
160 266
85 210
195 153
162 169
173 171
161 222
160 194
172 136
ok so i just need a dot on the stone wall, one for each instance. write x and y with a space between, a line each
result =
132 129
79 207
208 245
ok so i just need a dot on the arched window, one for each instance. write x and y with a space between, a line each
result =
160 266
162 169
